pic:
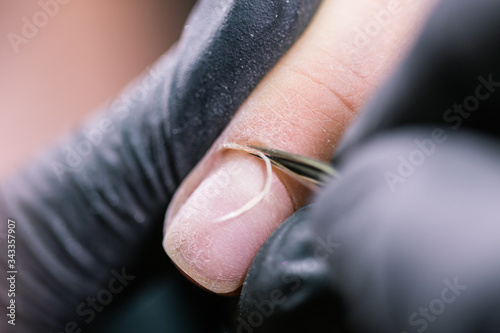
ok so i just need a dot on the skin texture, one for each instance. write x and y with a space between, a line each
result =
115 199
303 106
95 201
375 256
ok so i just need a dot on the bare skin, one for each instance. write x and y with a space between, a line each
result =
302 106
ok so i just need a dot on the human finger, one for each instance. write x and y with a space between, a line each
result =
230 203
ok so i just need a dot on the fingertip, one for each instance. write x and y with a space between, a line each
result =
215 234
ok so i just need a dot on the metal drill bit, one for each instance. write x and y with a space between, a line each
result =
309 171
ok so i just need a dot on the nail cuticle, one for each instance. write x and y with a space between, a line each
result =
217 254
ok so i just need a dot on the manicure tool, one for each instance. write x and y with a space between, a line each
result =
309 171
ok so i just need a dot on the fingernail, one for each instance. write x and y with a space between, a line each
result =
208 237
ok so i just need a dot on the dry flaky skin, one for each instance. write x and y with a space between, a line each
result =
197 235
79 223
369 257
302 106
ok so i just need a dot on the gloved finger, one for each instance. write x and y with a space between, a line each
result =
85 208
367 259
287 288
221 215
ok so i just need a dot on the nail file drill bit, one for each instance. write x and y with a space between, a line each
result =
309 171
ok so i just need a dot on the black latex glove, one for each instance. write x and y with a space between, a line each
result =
84 210
407 239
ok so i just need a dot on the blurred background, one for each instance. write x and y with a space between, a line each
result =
61 59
